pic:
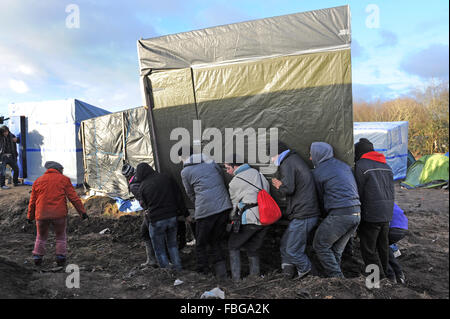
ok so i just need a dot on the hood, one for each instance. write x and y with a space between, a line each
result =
375 156
143 170
197 159
320 152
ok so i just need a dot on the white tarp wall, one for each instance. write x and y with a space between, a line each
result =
52 135
389 138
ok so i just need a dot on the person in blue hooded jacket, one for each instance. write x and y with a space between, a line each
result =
398 229
339 201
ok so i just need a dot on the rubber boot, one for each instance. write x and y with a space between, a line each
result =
235 264
221 270
60 260
151 259
253 263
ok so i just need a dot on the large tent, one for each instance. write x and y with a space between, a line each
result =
49 132
289 72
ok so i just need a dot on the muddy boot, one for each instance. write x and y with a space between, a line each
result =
60 260
221 270
235 265
37 260
151 259
288 270
253 263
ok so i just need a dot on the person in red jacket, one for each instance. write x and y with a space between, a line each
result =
48 206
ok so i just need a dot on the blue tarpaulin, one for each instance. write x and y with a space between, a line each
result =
388 138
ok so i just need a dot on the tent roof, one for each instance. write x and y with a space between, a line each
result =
297 33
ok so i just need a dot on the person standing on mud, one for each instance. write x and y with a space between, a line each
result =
133 186
375 181
297 184
244 189
340 205
158 194
8 156
204 183
48 206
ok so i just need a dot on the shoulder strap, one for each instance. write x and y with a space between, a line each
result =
249 182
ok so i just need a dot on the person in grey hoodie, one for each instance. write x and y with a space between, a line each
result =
244 189
204 183
340 206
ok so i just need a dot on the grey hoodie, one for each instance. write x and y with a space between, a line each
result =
335 183
204 184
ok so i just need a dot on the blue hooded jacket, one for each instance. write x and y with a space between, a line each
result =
335 183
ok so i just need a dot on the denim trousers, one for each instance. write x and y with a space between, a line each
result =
164 233
330 240
293 243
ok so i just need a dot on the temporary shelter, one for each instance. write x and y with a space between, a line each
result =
389 138
290 72
111 140
428 171
48 131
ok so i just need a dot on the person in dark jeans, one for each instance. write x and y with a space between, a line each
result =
398 229
297 184
8 156
340 205
204 183
376 191
158 194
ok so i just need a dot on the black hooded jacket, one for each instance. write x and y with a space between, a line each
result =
298 187
159 194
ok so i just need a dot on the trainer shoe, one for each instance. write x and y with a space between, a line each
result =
288 270
37 260
60 260
303 274
5 187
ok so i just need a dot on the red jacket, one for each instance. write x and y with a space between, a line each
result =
49 196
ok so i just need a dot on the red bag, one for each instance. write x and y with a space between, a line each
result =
269 212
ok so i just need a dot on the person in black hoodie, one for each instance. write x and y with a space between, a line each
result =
133 186
376 191
161 197
297 184
8 156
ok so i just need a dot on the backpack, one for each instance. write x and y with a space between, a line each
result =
269 212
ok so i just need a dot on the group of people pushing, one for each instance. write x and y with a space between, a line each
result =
325 206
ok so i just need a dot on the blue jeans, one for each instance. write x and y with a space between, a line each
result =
293 243
330 240
164 233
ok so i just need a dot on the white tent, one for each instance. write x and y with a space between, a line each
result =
51 129
389 138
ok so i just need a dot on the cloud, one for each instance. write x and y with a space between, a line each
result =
18 86
389 38
431 62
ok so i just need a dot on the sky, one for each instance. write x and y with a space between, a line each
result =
56 49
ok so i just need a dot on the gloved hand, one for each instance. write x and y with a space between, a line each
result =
84 216
29 221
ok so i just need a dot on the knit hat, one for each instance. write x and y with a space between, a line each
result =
281 148
362 147
127 170
54 165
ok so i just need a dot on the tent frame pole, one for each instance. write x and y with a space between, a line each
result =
150 105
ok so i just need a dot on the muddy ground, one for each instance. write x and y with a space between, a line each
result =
110 263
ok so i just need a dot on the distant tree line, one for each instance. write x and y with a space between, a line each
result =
427 112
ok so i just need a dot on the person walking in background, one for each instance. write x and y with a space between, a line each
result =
8 156
48 206
204 183
158 194
376 191
297 184
244 189
340 205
